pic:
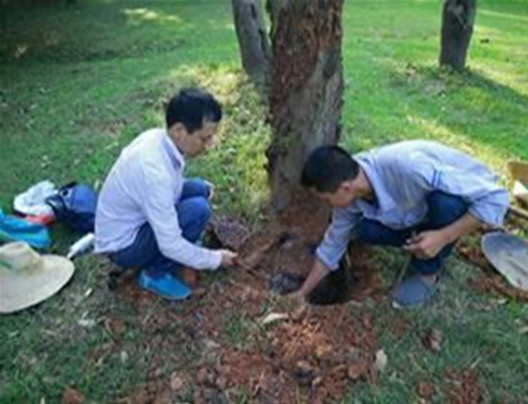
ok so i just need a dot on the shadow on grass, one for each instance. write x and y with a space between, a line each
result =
99 30
504 93
467 104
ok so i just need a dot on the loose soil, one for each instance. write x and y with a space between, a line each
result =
311 359
314 357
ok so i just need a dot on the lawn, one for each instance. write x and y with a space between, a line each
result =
78 82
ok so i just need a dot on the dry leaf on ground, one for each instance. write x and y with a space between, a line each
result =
433 340
381 360
176 382
425 390
72 396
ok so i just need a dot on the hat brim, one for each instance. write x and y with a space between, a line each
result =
23 289
509 255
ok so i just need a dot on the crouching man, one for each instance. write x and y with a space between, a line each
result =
418 195
148 215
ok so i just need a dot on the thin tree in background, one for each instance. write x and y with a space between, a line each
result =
458 18
253 40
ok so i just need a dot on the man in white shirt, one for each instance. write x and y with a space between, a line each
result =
148 215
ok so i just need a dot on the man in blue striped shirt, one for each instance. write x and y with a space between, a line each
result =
419 195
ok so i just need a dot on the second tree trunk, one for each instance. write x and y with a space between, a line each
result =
458 17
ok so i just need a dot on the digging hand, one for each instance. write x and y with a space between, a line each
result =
229 258
296 305
426 245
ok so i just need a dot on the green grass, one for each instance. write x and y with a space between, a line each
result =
79 82
477 332
238 329
404 95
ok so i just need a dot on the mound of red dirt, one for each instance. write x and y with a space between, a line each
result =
313 358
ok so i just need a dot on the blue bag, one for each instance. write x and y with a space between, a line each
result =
16 229
75 205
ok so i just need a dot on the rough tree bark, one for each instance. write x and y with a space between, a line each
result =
458 17
253 41
306 88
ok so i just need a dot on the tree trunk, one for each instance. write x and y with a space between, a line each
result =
458 17
306 88
253 40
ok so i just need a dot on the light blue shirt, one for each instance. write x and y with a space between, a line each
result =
143 186
402 175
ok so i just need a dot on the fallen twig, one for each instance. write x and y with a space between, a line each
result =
522 213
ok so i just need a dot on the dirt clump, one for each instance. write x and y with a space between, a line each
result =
433 340
154 392
425 391
462 387
325 351
228 231
72 396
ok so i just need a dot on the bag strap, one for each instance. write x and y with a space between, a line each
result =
68 185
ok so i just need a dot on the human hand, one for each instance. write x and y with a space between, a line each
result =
427 244
296 304
229 258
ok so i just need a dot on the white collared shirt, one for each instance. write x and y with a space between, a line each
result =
145 185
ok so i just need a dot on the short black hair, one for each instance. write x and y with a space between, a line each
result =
327 167
190 107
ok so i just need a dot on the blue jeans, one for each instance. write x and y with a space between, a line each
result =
193 211
444 209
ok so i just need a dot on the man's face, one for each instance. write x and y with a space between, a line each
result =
193 144
342 197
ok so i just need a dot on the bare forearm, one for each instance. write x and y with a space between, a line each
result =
318 272
466 224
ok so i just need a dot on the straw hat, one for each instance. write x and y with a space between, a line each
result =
27 278
509 255
519 174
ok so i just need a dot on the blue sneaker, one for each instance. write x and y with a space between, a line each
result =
166 286
413 292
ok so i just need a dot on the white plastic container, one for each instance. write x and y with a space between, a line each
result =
81 246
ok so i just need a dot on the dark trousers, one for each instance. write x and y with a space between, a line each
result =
193 211
444 209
